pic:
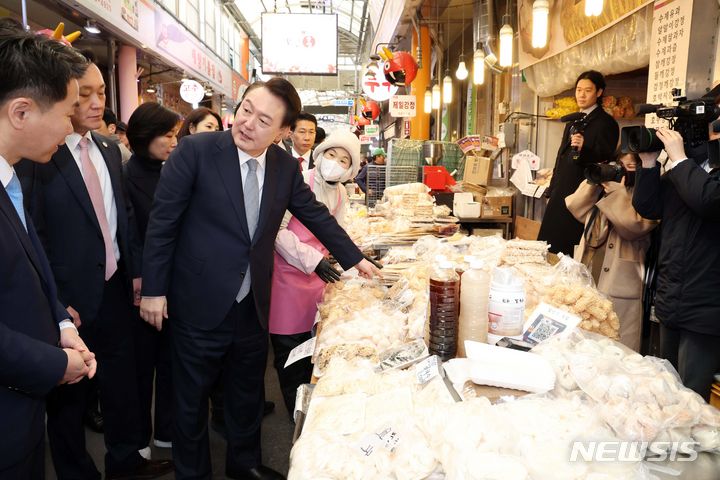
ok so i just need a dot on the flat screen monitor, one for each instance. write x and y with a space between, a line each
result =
299 43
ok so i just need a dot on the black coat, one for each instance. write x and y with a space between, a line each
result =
687 201
197 245
559 228
31 363
141 177
58 200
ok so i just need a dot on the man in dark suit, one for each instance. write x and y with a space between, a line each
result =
208 251
84 219
302 138
596 144
39 345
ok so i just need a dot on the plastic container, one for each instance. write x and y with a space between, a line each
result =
444 310
474 297
506 305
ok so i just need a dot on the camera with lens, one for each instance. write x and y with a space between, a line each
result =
597 173
690 118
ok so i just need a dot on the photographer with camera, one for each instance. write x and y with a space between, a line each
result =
614 240
590 138
687 201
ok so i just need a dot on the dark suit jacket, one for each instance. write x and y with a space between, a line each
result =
31 364
57 199
197 246
141 177
289 148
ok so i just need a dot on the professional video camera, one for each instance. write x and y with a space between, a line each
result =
597 173
690 118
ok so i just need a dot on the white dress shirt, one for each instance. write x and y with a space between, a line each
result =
6 174
73 143
260 171
589 110
306 158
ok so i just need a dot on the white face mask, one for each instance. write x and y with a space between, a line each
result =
331 170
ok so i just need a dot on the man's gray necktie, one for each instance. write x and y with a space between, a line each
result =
251 193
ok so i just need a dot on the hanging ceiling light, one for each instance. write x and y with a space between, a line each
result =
479 66
150 89
462 72
91 27
427 103
447 88
540 12
436 97
593 8
506 43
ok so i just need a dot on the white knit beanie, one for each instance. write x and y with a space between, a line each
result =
344 139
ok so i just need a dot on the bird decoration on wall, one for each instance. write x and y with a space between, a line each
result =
57 34
400 68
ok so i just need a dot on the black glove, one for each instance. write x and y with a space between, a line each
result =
374 262
327 272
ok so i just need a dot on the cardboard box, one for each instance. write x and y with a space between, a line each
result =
465 206
488 232
478 170
494 207
526 229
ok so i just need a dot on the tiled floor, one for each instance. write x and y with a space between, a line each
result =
276 439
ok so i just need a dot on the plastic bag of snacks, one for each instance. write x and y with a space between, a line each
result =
641 398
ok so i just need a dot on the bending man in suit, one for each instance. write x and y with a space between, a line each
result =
39 345
84 218
208 263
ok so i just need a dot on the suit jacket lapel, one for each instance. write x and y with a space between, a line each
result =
228 165
7 208
65 162
268 191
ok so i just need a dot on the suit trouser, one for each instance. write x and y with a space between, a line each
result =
238 348
111 337
294 375
32 467
152 353
696 357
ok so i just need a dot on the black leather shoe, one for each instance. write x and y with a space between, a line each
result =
148 469
261 472
268 408
94 420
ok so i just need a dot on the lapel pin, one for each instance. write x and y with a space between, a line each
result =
105 144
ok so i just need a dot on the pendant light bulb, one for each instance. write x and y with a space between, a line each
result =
462 72
479 67
427 102
540 13
593 8
506 45
436 97
447 88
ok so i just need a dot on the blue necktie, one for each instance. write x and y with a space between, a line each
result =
14 191
251 193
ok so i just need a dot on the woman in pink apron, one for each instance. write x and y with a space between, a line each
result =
300 267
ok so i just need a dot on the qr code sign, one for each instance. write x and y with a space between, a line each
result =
544 329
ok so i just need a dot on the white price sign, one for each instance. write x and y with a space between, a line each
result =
427 370
403 106
386 438
372 130
303 350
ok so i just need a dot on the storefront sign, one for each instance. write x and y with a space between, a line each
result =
191 91
367 139
372 130
403 106
670 44
374 84
570 25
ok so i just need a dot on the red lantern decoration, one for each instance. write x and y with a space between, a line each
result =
400 68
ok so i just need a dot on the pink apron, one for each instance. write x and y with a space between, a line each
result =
295 295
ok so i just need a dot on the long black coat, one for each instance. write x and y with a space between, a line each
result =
141 177
687 200
559 228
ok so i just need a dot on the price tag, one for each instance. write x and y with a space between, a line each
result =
303 350
427 370
386 438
